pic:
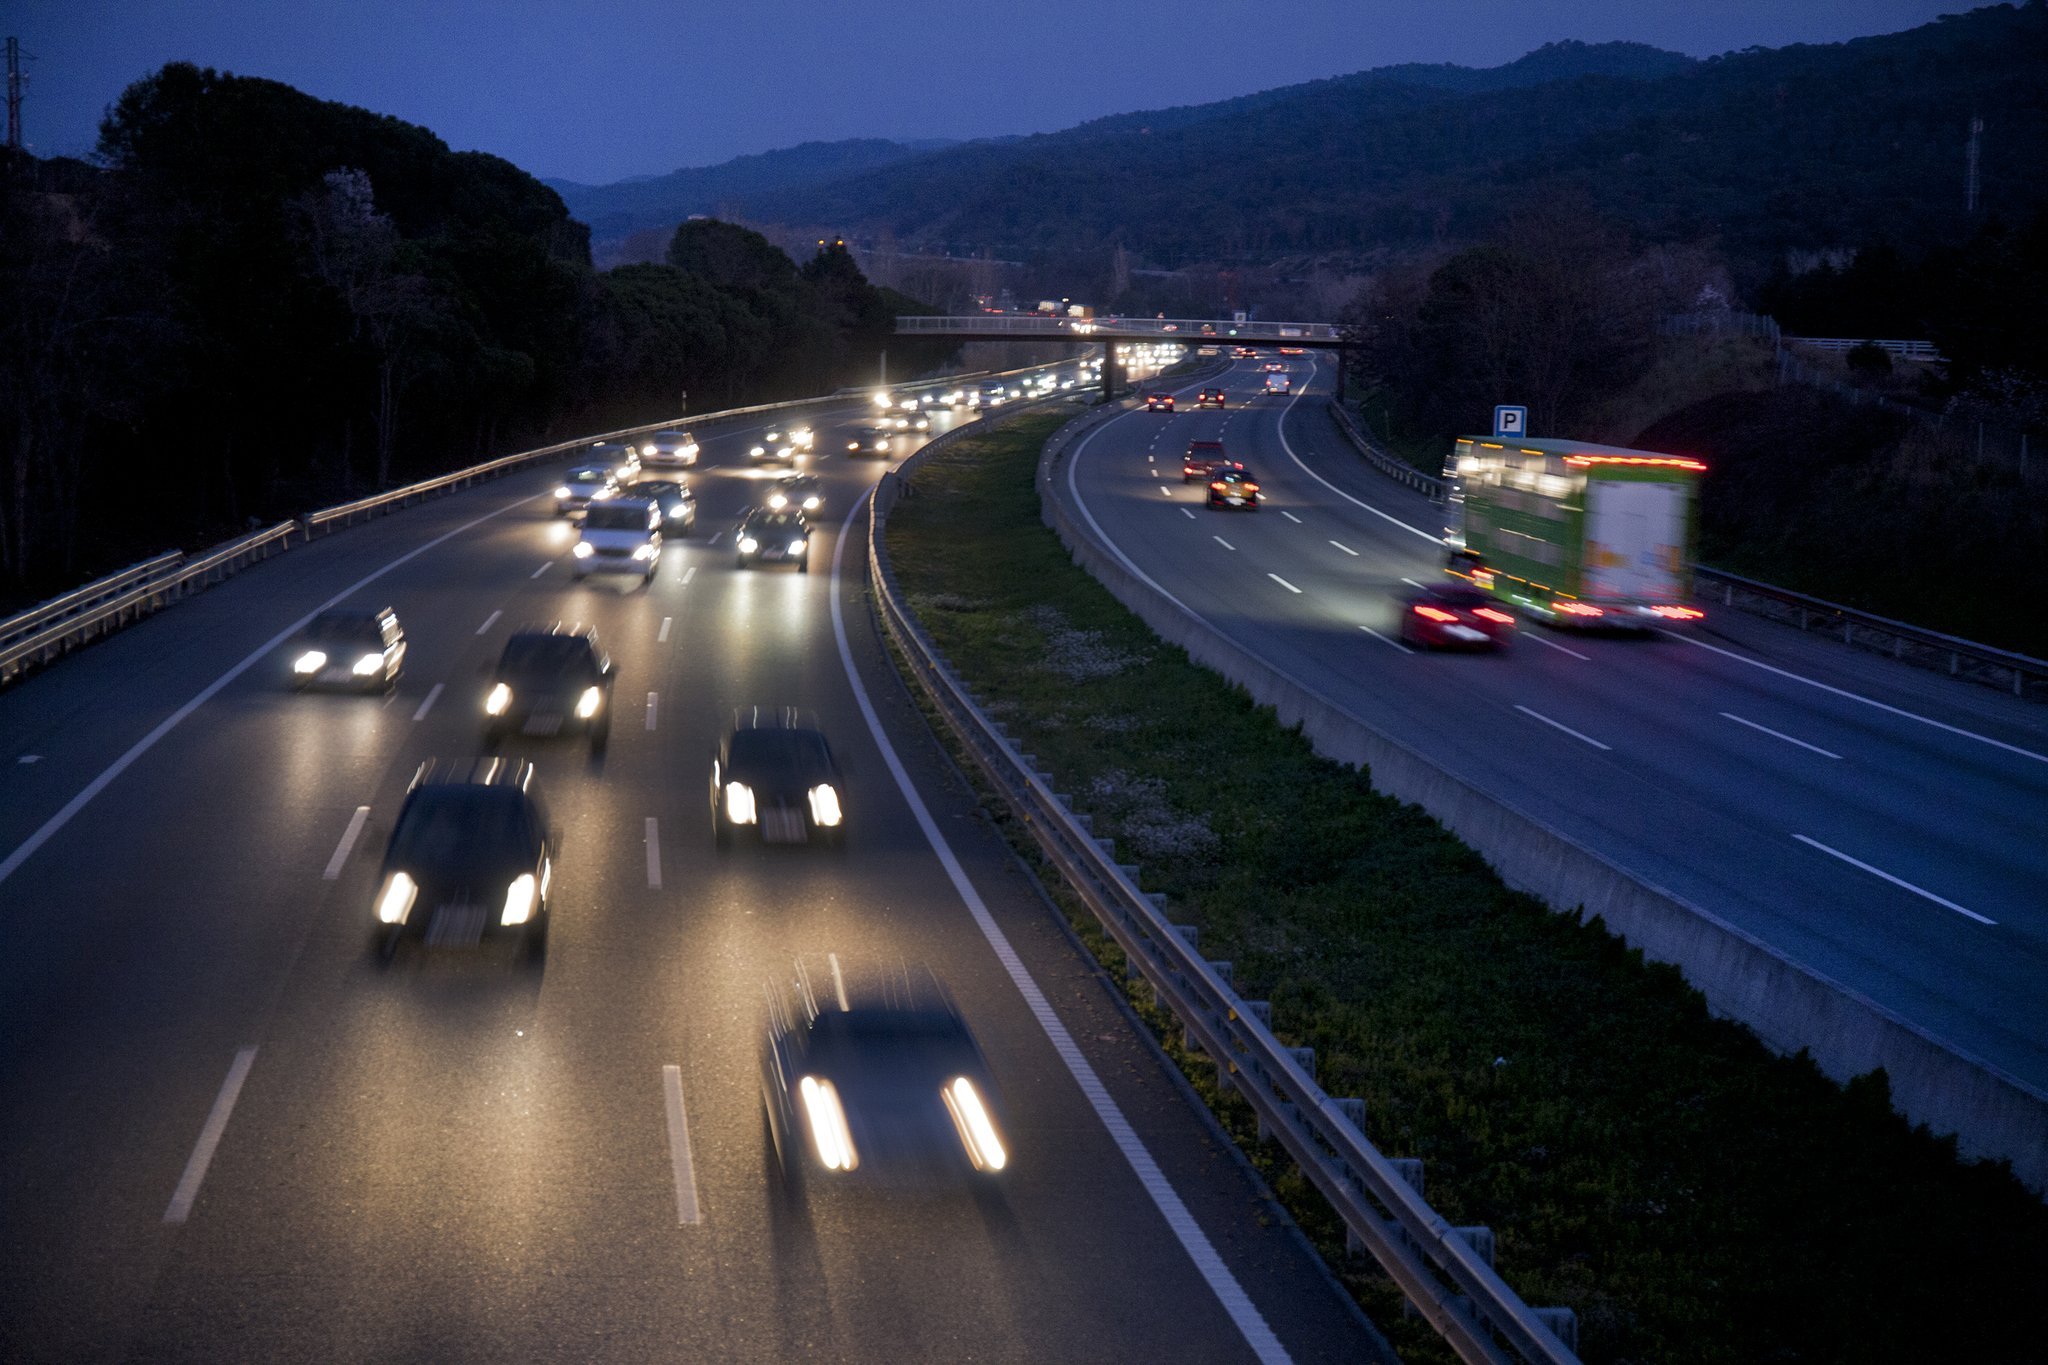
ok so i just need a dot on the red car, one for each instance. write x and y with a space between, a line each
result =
1202 459
1455 616
1245 353
1159 402
1209 396
1232 485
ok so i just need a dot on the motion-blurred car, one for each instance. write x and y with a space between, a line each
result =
1244 353
766 536
1279 384
880 1087
1275 367
623 461
870 439
669 450
1292 350
678 504
1209 398
355 649
1159 402
775 775
469 858
1455 616
582 487
1202 458
551 680
1233 486
801 491
781 446
622 535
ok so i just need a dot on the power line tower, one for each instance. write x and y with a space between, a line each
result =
1970 181
16 83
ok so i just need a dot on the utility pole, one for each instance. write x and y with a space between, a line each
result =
16 83
1970 184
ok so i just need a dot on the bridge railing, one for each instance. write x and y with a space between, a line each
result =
1024 326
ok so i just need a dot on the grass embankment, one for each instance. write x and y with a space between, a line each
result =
1694 1198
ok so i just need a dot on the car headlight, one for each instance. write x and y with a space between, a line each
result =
739 803
827 1120
778 500
584 549
312 661
853 445
811 503
400 891
646 551
587 704
368 664
758 451
601 494
748 545
563 491
648 449
825 806
519 900
977 1130
498 700
796 547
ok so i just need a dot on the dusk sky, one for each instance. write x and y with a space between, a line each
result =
600 91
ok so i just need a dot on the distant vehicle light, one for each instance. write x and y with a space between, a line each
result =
739 803
829 1133
519 900
825 806
587 704
312 661
399 893
498 700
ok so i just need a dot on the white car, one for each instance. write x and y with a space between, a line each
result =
668 450
585 486
622 535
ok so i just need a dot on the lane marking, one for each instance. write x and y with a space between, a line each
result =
1345 548
542 569
1895 881
1867 701
1243 1312
1560 725
29 758
1167 491
1411 583
838 981
1779 734
63 817
1186 513
661 636
1385 641
348 841
691 572
1280 426
1221 541
653 705
1531 634
688 1213
716 536
187 1192
1284 583
1290 516
489 621
433 695
653 855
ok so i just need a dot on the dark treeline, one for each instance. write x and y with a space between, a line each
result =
255 301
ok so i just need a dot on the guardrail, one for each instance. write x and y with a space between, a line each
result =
1904 350
1446 1272
1187 330
39 619
2024 675
1398 470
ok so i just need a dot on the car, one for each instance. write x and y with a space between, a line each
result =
1455 616
470 858
1209 398
677 503
1244 353
870 439
881 1086
1279 384
1275 367
622 535
1292 350
766 536
669 450
623 461
1201 459
1159 402
781 446
775 775
583 486
801 491
551 680
349 648
1232 485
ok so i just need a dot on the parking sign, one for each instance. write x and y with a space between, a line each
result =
1510 421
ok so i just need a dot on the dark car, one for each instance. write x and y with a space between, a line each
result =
469 858
1202 458
775 776
1159 402
1210 398
1233 486
766 536
871 439
678 505
551 680
802 492
1455 616
883 1086
350 649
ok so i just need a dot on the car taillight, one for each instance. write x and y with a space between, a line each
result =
1490 614
1578 609
1216 487
1433 614
1678 613
1251 488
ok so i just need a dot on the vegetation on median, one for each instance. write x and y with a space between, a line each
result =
1694 1198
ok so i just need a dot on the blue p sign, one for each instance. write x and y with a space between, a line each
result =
1510 421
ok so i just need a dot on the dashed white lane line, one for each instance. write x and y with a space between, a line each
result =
661 636
688 1213
1167 491
1779 734
1238 1304
1560 725
1942 901
433 695
691 572
1562 649
653 706
1284 583
1385 641
489 621
1189 515
542 569
1224 543
1345 548
1290 516
37 758
187 1192
348 842
716 536
653 854
1411 582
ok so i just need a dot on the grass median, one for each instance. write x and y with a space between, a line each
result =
1693 1197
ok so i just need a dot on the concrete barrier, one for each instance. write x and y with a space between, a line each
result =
1992 1114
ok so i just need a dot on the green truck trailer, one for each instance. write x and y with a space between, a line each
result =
1591 536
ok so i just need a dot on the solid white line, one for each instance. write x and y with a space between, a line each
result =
1290 516
1186 513
1853 696
653 705
209 1136
489 621
433 694
348 841
49 827
1243 1312
661 636
1345 548
653 855
691 572
1283 583
1895 881
1777 734
687 1212
1566 728
542 569
1531 634
1385 641
1288 446
1224 543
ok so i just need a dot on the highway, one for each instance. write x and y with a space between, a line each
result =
228 1133
1878 823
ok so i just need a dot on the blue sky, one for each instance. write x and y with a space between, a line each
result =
604 90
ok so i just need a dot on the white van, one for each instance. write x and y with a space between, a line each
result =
622 535
1279 384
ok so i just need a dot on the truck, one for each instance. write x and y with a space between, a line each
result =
1279 384
1573 534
